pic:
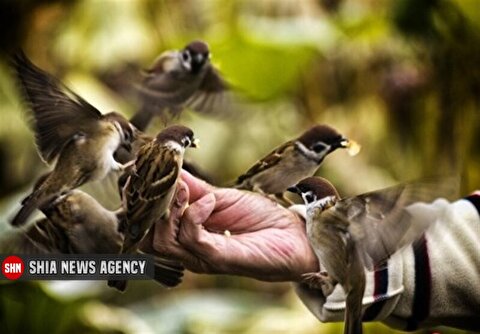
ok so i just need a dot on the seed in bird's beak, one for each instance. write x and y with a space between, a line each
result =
196 143
352 146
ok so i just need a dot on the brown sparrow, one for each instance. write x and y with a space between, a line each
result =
351 234
76 223
70 133
179 79
294 161
151 184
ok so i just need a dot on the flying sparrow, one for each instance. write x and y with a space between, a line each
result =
351 234
70 133
294 161
151 184
179 79
76 223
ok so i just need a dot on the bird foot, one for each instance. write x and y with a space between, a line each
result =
320 280
125 166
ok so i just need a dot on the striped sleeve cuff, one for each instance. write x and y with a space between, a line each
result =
474 198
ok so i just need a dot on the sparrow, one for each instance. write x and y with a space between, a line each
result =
151 184
141 138
353 234
294 160
70 134
76 223
179 79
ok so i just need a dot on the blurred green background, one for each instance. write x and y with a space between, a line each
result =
400 77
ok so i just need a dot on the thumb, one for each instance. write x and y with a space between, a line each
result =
191 229
198 212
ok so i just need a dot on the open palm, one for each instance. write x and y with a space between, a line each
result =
228 231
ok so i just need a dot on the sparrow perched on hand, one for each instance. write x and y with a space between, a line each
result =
151 184
351 234
76 223
178 79
294 161
70 133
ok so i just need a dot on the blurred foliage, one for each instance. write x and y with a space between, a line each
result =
401 77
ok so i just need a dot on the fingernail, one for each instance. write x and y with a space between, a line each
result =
181 197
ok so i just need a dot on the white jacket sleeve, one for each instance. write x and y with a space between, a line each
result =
434 282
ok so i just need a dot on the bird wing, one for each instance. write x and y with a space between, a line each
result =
41 237
267 162
214 95
58 113
165 86
155 173
383 221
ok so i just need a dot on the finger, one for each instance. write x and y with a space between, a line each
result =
165 231
199 211
197 188
192 232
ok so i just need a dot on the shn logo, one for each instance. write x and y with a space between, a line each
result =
12 267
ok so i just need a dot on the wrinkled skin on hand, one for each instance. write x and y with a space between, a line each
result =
266 242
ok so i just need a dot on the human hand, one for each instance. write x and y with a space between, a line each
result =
265 241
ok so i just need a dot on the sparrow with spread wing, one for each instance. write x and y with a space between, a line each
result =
351 234
70 133
179 79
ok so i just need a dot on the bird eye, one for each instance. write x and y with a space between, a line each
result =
309 197
186 142
319 147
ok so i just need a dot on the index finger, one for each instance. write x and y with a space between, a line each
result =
197 188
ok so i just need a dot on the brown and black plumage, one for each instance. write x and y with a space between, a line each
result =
293 161
353 234
179 79
76 223
70 134
151 184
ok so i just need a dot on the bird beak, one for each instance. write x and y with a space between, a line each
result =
352 146
195 143
199 58
293 189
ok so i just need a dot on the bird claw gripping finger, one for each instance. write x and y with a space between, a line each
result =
319 280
